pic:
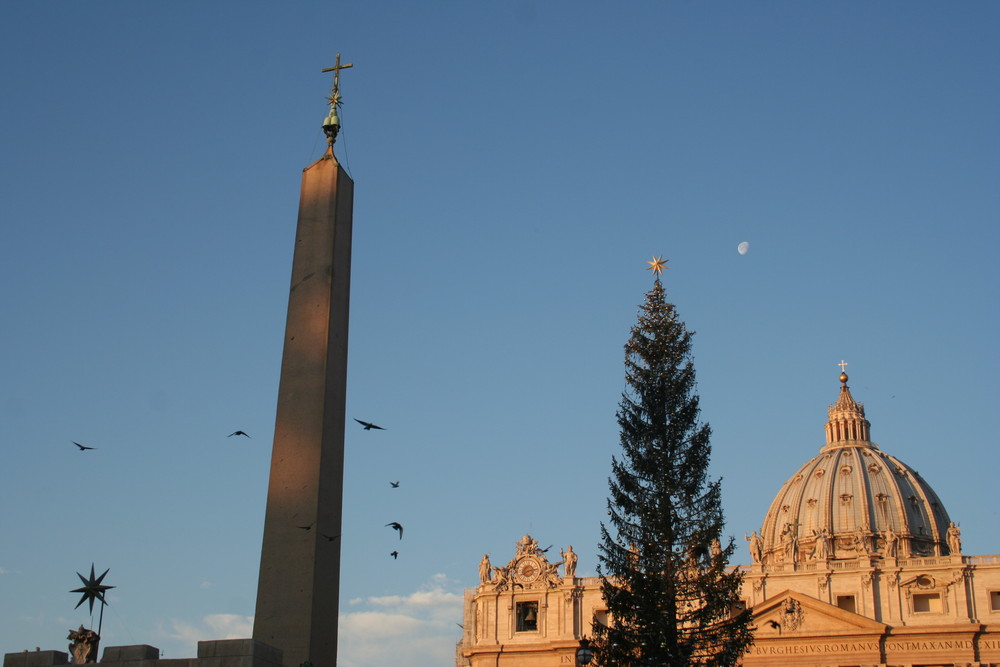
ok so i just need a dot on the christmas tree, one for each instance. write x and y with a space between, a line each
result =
671 597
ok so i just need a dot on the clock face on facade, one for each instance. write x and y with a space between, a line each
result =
528 569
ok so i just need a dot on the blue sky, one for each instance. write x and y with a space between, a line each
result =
516 165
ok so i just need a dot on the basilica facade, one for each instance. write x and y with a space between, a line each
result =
857 562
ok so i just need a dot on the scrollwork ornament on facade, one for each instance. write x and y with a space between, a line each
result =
527 546
866 580
552 574
501 578
793 614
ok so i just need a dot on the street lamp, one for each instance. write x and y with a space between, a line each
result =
584 654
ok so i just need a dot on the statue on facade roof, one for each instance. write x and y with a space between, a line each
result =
790 539
756 546
954 539
861 544
84 646
822 550
891 546
569 561
484 569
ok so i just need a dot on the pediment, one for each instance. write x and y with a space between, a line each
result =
794 613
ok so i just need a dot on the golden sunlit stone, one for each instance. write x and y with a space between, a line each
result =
857 563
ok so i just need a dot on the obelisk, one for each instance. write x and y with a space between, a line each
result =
299 586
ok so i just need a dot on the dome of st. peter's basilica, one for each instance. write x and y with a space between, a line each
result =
853 499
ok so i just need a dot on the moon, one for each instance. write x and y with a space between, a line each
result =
743 247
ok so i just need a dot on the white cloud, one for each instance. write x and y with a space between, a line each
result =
418 629
374 625
431 601
213 626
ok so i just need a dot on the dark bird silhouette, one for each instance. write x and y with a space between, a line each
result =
309 527
394 554
243 433
545 550
775 625
397 526
82 447
395 485
329 538
368 425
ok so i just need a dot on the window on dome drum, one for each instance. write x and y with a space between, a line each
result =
846 602
994 600
526 614
924 603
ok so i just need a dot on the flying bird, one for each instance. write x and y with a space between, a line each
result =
775 625
395 485
329 538
82 447
368 425
396 526
545 550
309 527
394 554
243 433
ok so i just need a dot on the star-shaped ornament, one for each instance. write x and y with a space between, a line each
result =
92 589
658 265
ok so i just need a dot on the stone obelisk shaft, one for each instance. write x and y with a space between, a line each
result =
299 587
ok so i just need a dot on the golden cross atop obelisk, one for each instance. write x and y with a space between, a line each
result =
332 123
335 95
843 365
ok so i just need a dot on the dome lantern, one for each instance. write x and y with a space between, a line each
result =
846 423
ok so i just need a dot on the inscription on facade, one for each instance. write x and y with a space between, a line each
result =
928 645
815 649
